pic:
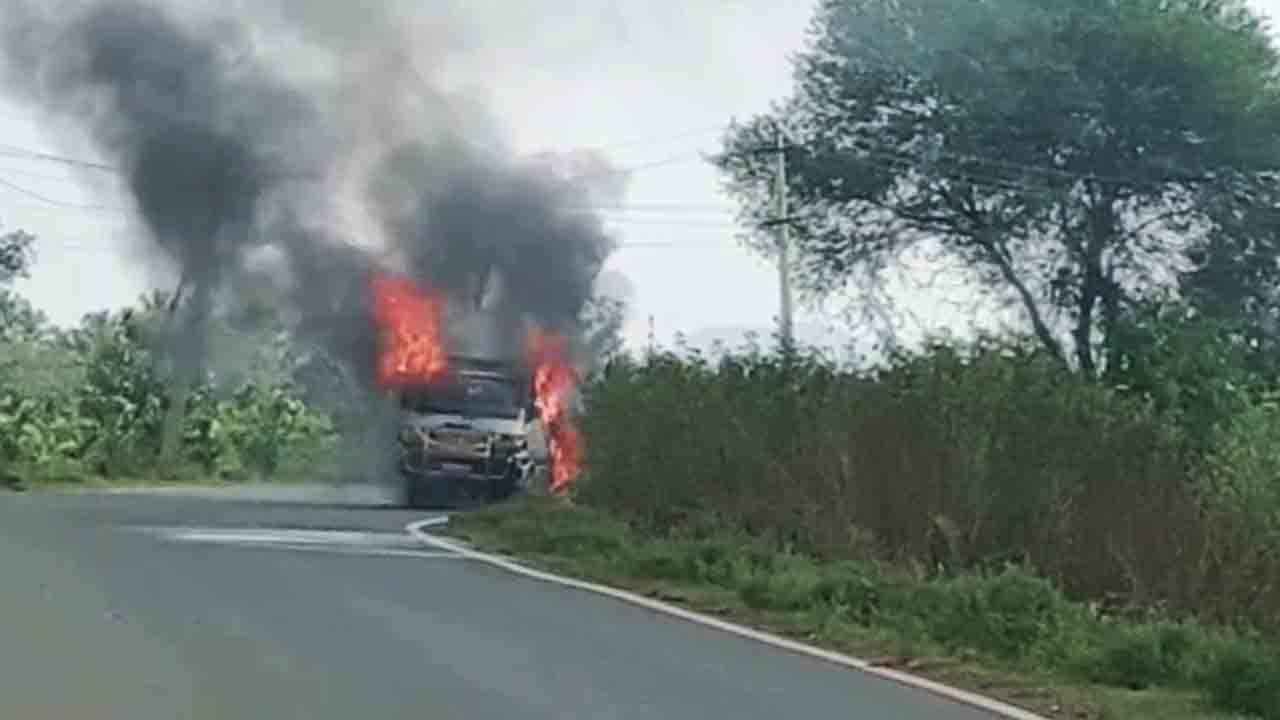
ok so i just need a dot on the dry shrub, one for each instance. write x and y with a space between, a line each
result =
950 460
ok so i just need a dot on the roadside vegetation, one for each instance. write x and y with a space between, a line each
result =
982 515
87 405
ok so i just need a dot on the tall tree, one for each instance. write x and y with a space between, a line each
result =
18 319
1074 155
16 254
602 321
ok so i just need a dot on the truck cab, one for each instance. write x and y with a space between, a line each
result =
467 434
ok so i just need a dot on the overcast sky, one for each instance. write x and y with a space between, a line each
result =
651 88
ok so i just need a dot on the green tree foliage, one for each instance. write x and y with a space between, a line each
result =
16 254
21 324
602 320
1201 369
121 390
17 317
1074 155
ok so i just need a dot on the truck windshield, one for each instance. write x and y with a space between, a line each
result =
465 395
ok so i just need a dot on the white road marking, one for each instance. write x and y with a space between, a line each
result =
353 494
286 535
369 544
1000 709
356 551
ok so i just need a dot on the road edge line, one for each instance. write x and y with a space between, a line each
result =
418 530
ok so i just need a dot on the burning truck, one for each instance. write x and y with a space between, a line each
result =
479 428
467 432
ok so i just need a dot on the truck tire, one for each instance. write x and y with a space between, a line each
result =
421 494
412 494
503 487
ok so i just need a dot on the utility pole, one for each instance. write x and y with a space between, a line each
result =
784 244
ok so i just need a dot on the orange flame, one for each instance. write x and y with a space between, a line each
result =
553 383
409 322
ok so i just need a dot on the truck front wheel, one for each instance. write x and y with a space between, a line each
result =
501 488
423 494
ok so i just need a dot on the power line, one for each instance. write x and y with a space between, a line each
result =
876 156
51 201
73 248
640 212
675 219
7 150
626 170
901 160
39 175
673 245
1049 172
12 151
672 207
929 157
654 140
652 212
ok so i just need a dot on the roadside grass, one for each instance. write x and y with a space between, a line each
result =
61 474
1006 634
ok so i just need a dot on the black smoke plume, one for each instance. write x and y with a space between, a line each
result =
245 175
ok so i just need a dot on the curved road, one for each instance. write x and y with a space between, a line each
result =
173 606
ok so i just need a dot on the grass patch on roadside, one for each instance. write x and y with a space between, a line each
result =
1007 634
63 474
69 475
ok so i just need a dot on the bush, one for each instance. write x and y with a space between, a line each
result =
252 431
1243 475
1144 656
789 584
1245 678
951 460
1007 615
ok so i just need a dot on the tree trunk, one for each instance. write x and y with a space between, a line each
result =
174 419
188 367
988 238
1095 282
1082 334
1110 322
1043 333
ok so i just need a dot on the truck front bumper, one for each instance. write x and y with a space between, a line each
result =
483 476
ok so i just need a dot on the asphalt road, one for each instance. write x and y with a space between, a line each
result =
318 606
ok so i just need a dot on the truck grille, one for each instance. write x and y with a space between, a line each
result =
474 467
454 451
459 442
